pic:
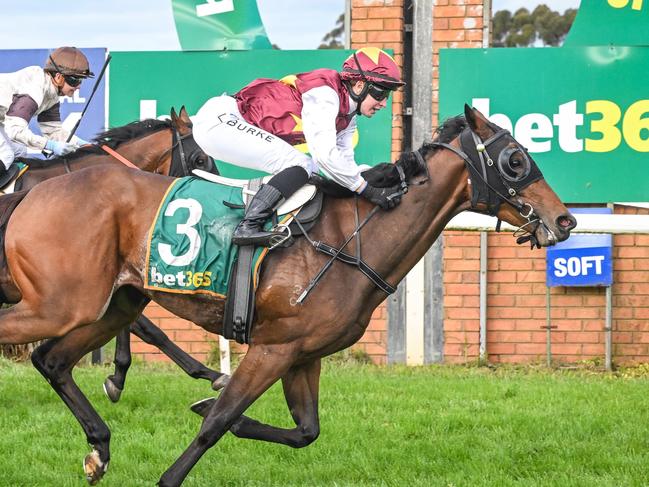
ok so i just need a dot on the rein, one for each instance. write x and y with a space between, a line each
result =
118 156
176 142
357 261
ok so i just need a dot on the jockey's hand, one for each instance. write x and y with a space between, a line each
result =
386 198
60 148
78 141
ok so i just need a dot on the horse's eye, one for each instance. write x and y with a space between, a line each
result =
515 162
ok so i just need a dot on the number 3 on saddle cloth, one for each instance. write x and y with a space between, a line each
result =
189 247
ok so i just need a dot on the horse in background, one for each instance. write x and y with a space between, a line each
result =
157 146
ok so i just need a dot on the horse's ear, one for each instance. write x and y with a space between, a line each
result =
174 116
477 121
184 116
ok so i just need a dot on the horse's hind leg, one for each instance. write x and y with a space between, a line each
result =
23 324
301 387
259 369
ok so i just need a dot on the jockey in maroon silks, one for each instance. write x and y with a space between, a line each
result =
259 126
35 91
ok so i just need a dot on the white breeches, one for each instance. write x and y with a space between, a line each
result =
221 131
9 149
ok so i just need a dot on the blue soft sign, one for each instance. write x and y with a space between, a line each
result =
94 121
582 260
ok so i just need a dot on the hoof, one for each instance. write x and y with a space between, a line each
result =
203 406
221 382
94 468
112 391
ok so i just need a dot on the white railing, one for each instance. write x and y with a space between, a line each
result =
617 224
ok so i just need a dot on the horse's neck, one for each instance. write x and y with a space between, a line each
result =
411 229
148 153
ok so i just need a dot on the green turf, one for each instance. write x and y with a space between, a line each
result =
392 426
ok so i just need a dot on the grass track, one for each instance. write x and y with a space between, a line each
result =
393 426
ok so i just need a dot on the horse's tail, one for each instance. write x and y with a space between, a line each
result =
8 204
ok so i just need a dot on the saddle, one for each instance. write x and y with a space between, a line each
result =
300 211
298 215
8 179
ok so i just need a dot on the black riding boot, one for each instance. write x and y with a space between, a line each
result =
250 230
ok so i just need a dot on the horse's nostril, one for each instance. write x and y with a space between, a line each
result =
566 222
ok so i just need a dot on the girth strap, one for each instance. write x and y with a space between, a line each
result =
355 261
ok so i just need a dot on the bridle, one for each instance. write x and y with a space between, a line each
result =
480 170
177 142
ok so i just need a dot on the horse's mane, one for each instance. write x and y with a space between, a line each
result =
113 138
385 174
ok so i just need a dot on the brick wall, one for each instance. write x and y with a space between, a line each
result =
456 23
516 303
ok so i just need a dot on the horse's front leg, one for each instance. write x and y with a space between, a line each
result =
55 359
259 369
301 387
114 384
145 330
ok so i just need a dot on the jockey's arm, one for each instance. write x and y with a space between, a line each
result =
50 124
16 123
319 110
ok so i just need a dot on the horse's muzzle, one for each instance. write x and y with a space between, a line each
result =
547 235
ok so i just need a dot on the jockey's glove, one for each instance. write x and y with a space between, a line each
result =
59 148
78 141
386 198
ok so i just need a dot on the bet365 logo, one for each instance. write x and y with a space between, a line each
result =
608 126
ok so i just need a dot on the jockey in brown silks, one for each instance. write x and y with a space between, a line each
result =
35 91
259 126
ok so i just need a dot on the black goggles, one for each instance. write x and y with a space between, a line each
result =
70 79
377 92
73 81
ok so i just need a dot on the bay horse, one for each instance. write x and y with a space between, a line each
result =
158 146
102 218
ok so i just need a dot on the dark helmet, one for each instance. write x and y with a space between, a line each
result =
374 65
68 61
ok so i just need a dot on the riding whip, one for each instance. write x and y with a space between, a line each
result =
94 89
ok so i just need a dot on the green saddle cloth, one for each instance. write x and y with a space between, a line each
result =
189 246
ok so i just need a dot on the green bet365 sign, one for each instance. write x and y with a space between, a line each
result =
604 22
583 112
